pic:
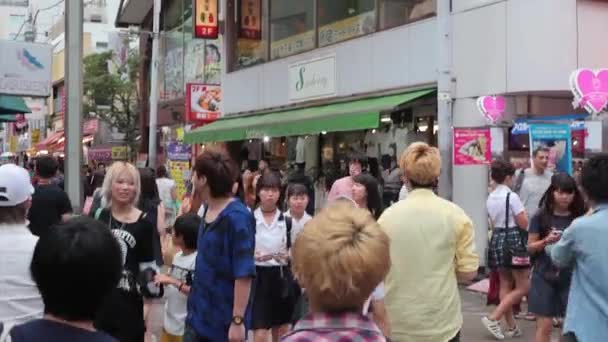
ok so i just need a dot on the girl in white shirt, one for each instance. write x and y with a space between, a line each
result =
297 201
275 296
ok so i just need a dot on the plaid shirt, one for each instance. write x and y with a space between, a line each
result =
335 328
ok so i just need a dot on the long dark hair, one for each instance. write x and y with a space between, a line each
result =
562 182
148 198
374 200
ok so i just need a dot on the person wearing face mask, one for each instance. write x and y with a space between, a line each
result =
122 314
276 292
343 186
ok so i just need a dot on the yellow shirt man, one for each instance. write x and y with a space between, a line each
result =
431 241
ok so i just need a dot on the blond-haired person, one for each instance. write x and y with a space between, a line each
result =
122 313
339 258
432 247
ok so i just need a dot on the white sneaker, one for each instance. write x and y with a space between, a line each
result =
493 328
515 332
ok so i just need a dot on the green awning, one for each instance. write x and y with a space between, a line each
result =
338 117
7 118
13 105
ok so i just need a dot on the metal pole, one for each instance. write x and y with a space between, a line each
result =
154 86
73 115
444 96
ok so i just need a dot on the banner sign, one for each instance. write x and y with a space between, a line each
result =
119 153
590 89
206 19
472 146
523 127
203 102
25 69
250 24
557 138
178 151
181 174
100 154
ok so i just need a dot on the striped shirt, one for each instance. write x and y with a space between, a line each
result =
320 327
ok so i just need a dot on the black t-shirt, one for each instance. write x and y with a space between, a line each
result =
49 202
50 331
542 224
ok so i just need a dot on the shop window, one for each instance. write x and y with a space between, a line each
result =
292 27
342 20
251 42
395 13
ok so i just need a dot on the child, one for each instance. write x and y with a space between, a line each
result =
179 279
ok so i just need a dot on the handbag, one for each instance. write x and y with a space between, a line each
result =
289 286
516 255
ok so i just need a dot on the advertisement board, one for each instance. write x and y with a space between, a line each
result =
203 102
557 138
250 24
206 19
25 68
312 79
472 146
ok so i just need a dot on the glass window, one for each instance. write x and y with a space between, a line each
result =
251 33
394 13
172 59
292 27
342 20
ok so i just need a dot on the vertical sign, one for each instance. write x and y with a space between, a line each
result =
250 23
205 15
203 102
472 146
557 138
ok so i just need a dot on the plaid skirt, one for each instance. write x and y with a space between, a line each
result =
503 241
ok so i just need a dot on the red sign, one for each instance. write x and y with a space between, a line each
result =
250 23
203 102
472 146
205 14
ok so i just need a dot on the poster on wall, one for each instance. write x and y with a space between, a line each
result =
203 102
472 146
250 24
206 19
557 138
180 173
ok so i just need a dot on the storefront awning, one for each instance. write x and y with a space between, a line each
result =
338 117
13 105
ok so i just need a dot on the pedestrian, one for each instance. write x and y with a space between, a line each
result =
298 176
531 183
179 279
339 283
432 248
276 292
50 204
561 204
97 184
366 194
392 181
582 247
167 193
122 313
344 186
151 205
297 202
218 305
75 267
20 300
508 252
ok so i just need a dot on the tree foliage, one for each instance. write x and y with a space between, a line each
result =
112 91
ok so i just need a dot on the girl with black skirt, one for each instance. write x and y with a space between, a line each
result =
275 290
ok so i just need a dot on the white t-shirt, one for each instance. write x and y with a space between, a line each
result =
297 225
533 188
496 205
269 238
176 307
20 300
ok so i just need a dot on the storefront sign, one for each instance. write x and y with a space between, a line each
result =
348 28
179 151
522 126
12 143
205 13
35 136
181 174
203 102
250 25
590 89
312 79
292 45
557 138
100 154
25 68
492 108
119 153
472 146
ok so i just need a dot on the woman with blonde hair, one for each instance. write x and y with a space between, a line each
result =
122 314
339 258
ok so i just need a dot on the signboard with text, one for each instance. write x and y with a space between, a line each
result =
25 69
558 139
206 19
312 79
472 146
250 24
203 102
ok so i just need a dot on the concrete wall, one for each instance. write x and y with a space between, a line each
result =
397 58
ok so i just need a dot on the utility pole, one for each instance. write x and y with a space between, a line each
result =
154 85
444 96
73 115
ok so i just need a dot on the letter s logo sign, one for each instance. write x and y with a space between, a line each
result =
300 83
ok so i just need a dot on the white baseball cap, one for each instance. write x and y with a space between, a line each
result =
15 185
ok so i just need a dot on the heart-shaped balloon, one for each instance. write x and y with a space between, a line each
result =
492 107
590 89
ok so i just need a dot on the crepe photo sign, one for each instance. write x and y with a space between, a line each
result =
590 89
492 107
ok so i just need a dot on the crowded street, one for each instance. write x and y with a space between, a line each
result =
303 170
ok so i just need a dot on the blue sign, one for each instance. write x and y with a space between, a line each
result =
179 151
557 138
522 126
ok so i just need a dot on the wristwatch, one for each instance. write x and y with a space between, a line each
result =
238 320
